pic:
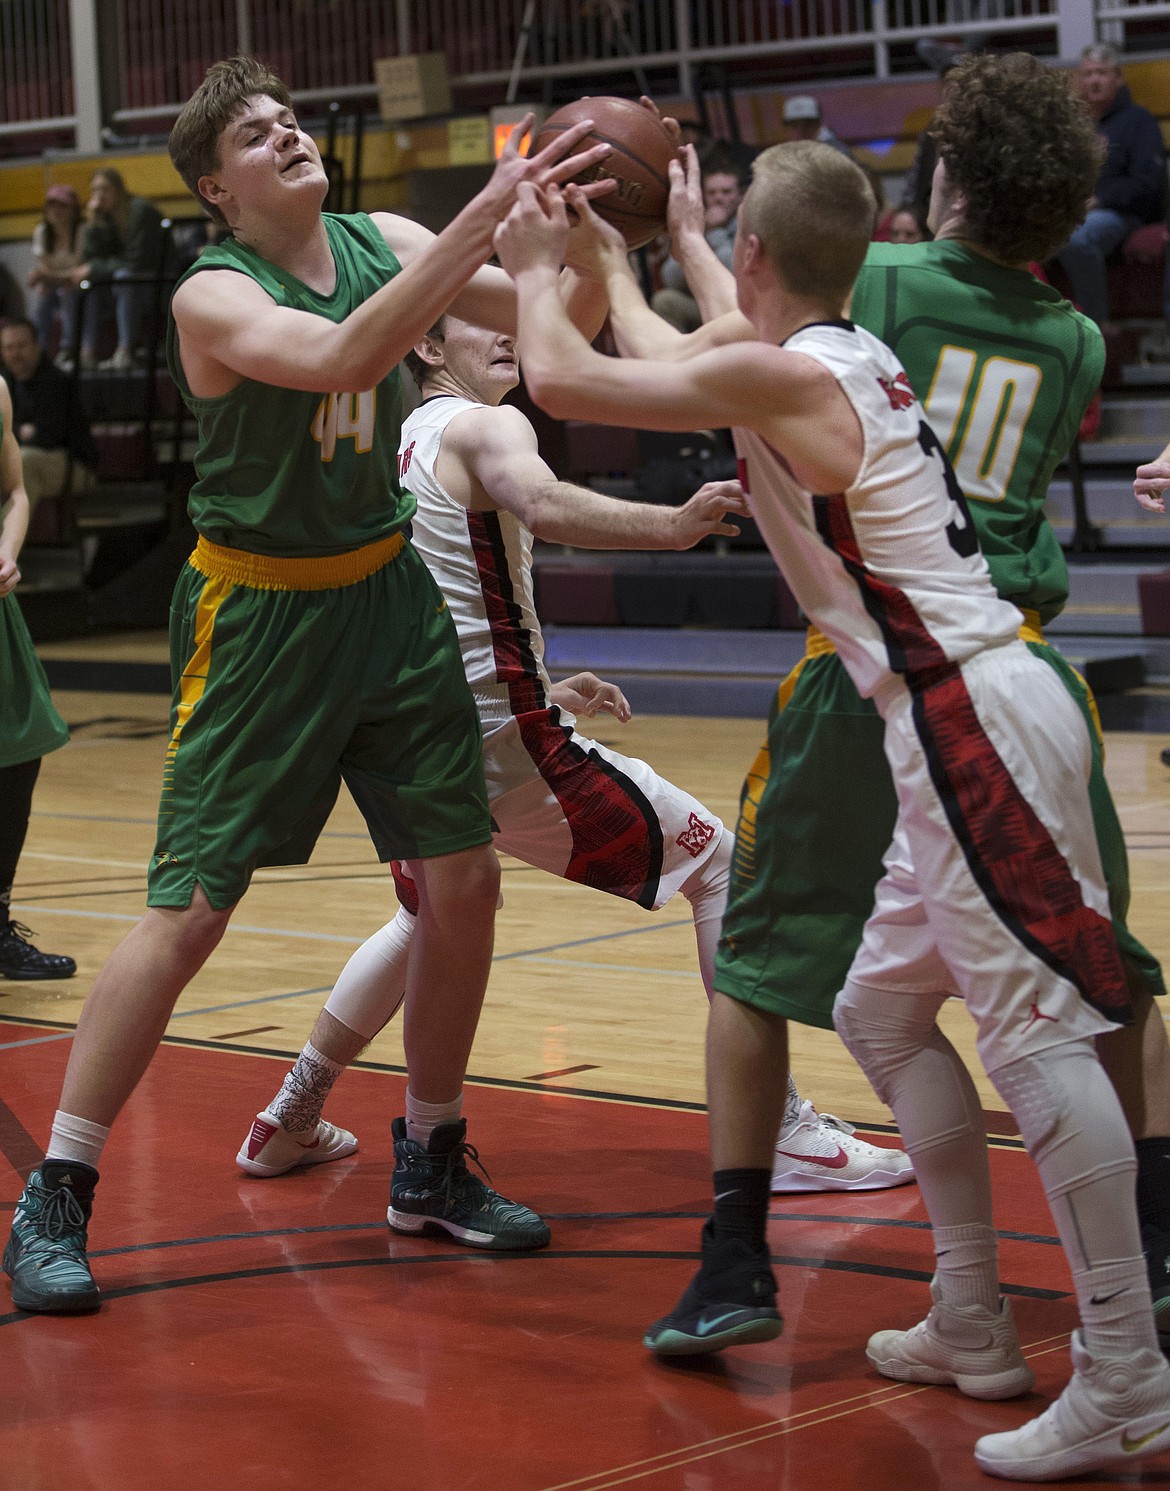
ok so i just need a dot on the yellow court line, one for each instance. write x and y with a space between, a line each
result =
776 1429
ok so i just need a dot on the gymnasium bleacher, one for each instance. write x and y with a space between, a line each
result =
108 558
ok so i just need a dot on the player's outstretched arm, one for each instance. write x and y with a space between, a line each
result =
638 331
497 450
1151 482
14 505
742 384
708 278
226 322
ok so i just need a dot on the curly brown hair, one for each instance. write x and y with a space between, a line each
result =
1022 149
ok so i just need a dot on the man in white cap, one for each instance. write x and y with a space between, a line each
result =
802 121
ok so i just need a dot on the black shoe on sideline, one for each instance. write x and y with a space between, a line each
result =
19 959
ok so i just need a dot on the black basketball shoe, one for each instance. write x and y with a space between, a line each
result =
731 1301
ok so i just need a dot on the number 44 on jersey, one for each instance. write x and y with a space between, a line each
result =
345 416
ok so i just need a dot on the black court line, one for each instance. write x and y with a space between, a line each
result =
546 1255
549 1216
507 1084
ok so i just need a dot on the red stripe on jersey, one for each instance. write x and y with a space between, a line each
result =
909 645
1010 852
616 835
511 641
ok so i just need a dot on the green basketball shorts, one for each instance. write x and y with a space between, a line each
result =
30 726
291 676
817 814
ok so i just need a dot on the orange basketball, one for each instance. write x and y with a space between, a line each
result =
642 151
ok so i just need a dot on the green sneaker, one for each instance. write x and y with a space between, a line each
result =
45 1257
432 1188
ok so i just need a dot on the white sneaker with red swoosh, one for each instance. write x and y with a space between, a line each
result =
821 1153
271 1150
1114 1412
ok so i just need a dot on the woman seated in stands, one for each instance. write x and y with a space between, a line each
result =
56 245
123 246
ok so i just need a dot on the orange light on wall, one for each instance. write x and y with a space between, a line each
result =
500 135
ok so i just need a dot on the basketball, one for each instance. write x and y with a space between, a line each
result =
642 151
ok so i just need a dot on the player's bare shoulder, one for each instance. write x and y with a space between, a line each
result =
208 308
404 238
484 452
483 429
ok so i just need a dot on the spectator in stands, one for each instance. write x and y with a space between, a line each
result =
11 295
802 121
56 448
1131 189
885 213
123 239
905 226
722 194
56 246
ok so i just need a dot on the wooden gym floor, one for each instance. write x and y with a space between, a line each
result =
274 1334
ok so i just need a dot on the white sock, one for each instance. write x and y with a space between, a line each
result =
76 1139
372 985
706 890
966 1265
422 1119
302 1095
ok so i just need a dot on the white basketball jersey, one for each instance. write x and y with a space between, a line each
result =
890 570
482 562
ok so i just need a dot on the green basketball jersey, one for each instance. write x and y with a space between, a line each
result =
1005 369
283 472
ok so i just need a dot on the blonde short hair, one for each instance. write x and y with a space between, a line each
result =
813 211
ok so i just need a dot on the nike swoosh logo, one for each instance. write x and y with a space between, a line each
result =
723 1195
314 1145
1103 1299
706 1326
1132 1446
836 1161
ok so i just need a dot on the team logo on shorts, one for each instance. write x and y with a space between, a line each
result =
166 858
696 836
898 391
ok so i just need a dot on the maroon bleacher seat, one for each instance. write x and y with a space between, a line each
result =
575 594
789 617
1135 274
599 450
123 452
1154 598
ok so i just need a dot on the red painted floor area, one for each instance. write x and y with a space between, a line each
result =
272 1334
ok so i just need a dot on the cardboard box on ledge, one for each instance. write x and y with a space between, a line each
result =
412 87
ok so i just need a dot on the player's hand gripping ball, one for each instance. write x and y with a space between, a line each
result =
639 162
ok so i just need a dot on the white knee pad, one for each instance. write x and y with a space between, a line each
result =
1067 1113
883 1032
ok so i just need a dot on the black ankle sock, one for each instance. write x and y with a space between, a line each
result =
741 1206
1153 1185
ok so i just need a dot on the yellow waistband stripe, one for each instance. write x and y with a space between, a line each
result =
1032 631
816 644
268 572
